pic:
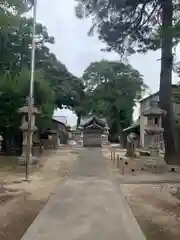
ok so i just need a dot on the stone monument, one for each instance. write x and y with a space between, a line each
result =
24 128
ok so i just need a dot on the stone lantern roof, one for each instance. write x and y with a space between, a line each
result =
154 111
24 109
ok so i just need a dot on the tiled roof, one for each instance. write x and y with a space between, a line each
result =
174 86
86 119
134 125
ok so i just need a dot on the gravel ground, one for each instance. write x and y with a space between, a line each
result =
20 201
156 208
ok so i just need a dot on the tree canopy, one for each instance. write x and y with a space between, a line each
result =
54 85
11 10
112 90
130 26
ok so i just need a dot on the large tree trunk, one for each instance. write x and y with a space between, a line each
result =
168 121
78 119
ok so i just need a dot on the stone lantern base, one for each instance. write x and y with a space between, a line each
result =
22 158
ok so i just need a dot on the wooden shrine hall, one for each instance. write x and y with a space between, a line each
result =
92 129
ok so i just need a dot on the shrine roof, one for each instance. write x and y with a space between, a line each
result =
133 126
88 120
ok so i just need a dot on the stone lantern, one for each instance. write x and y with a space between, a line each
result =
154 129
24 128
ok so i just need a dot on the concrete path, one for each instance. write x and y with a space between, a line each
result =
87 206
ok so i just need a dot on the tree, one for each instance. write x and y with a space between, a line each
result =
138 26
64 83
113 89
54 85
10 12
17 6
79 100
14 91
16 54
16 46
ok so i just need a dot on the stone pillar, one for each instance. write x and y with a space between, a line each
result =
24 143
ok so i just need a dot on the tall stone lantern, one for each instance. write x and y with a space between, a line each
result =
24 128
153 129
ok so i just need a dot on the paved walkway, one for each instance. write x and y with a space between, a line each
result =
87 206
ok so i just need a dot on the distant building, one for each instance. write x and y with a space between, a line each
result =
62 119
150 120
60 125
150 117
56 134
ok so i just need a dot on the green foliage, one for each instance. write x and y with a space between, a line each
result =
14 91
112 89
54 85
10 11
134 26
129 26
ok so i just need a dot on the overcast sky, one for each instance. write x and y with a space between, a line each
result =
76 50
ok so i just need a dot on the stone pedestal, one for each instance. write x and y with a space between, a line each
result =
155 143
154 151
22 158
